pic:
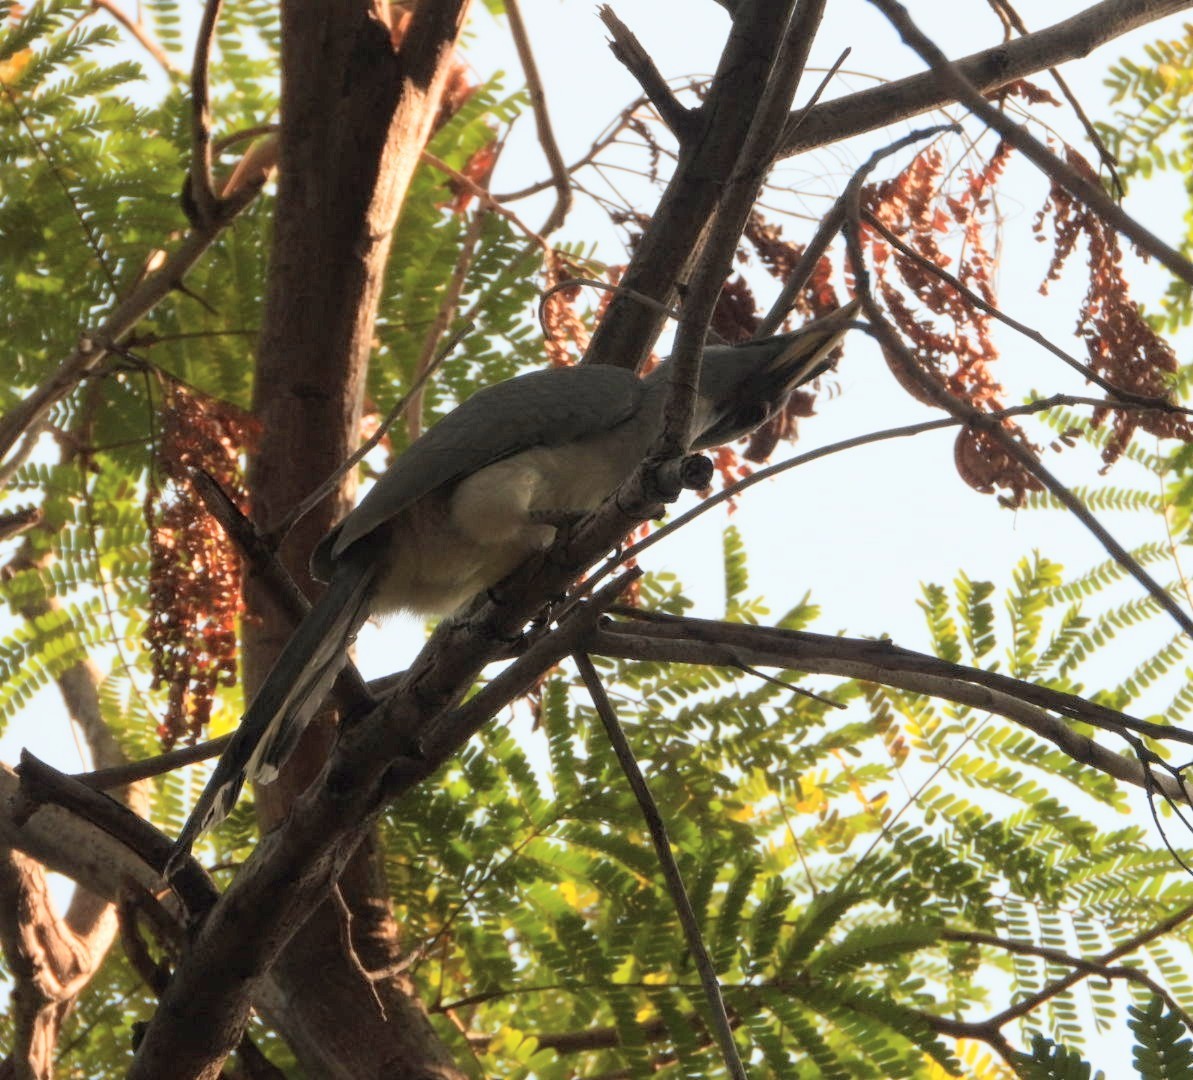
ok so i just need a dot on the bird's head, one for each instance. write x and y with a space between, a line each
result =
743 386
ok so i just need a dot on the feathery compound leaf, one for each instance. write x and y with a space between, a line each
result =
1163 1048
1054 1061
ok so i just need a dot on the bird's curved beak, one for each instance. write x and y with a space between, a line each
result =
803 359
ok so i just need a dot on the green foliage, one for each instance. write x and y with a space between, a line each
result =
836 860
1151 132
1163 1048
822 892
1054 1061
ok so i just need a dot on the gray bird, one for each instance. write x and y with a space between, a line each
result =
478 494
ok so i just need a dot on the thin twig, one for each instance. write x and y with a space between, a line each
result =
542 120
794 125
1033 1001
244 135
1059 957
599 144
15 522
350 949
802 272
276 535
429 358
974 417
350 689
797 690
905 431
1053 167
721 1025
828 228
159 764
1159 404
202 186
608 286
482 195
1004 8
626 47
137 29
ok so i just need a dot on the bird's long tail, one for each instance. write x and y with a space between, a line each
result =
292 692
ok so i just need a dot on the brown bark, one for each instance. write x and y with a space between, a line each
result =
707 159
355 117
53 957
881 106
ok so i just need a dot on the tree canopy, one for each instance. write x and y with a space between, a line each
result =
591 830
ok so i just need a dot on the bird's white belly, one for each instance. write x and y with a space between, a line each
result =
448 548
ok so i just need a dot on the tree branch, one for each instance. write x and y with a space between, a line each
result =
881 106
1160 404
1097 968
733 209
51 962
202 188
542 120
699 641
629 51
137 29
707 161
1089 192
657 828
95 345
936 392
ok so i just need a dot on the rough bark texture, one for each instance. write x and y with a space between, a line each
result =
53 957
355 118
706 161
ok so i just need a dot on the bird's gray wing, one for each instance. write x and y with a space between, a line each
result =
543 408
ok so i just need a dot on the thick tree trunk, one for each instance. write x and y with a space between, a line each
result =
355 118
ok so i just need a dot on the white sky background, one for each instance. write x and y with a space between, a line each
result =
862 529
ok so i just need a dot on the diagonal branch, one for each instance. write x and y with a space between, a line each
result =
881 106
1008 12
51 959
1096 967
1160 404
655 825
202 186
628 49
707 161
973 417
1040 709
1092 194
542 120
138 30
1032 1001
733 210
96 344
